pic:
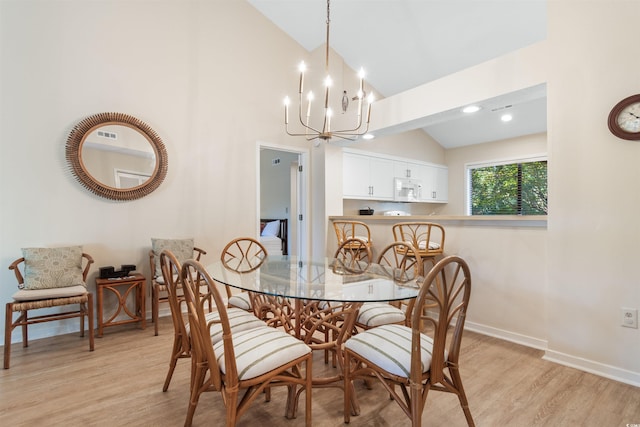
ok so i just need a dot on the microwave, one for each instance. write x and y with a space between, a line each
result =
407 190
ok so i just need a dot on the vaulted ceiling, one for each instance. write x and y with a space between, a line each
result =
406 43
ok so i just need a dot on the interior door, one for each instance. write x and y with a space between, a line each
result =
282 192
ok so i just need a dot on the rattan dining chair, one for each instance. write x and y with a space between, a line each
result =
171 272
48 265
243 254
353 256
325 327
182 249
352 229
426 237
403 266
418 358
251 360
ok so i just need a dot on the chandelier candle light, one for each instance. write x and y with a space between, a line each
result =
326 133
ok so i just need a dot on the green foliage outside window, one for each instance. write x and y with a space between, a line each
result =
511 189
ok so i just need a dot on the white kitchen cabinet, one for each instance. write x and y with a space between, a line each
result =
408 169
435 184
442 184
371 177
367 177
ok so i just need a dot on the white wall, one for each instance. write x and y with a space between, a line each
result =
593 226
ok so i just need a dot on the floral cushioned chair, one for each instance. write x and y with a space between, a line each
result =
182 249
52 277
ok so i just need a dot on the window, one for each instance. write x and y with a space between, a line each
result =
508 188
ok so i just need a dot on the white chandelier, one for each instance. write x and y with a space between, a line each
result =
310 133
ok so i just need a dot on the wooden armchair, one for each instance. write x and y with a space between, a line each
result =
352 230
353 256
171 272
402 266
25 300
242 364
420 357
159 293
243 255
426 237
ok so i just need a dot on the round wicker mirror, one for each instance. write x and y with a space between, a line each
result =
116 156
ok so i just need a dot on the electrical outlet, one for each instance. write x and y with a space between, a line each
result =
629 317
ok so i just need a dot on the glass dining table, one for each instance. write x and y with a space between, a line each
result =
315 300
319 280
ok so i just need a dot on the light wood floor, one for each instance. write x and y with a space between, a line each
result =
58 382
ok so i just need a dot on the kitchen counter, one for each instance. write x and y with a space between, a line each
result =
478 220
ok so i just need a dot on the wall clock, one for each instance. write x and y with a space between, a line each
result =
624 118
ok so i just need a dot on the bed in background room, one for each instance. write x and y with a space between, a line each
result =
273 236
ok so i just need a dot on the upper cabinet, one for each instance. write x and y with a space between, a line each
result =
407 169
370 176
435 184
367 177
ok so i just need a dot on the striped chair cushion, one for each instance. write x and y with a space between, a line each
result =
239 320
261 350
389 347
240 300
422 245
379 313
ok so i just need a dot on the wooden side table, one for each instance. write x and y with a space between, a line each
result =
122 287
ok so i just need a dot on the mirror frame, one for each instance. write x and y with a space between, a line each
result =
80 133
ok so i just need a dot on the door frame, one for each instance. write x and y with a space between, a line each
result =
303 184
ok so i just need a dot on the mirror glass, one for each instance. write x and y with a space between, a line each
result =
117 156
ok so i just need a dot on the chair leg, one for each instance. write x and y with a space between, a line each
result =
462 397
24 318
90 316
83 314
232 407
347 388
198 376
416 405
308 389
292 402
177 347
154 308
8 328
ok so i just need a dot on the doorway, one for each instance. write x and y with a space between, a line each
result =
282 192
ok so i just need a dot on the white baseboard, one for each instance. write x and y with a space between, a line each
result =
600 369
506 335
596 368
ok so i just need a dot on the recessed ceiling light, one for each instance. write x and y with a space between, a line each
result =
368 136
506 117
471 109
